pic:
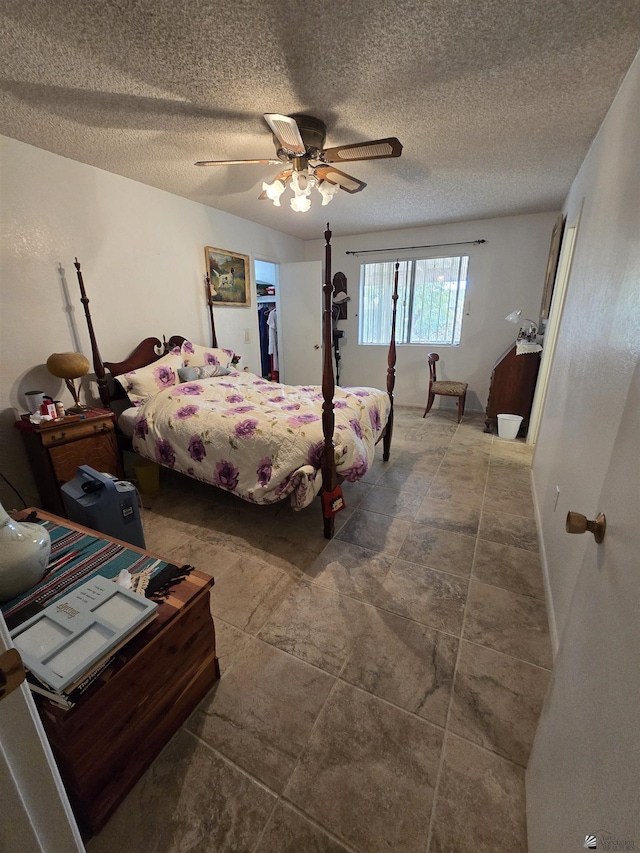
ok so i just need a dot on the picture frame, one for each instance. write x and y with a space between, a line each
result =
552 267
228 277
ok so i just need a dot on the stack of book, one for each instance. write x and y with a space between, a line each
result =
71 696
69 644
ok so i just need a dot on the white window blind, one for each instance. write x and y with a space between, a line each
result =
431 295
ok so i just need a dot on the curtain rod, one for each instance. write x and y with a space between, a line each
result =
407 248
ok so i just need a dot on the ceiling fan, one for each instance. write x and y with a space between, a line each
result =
299 141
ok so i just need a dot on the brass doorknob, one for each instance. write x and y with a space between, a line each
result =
578 523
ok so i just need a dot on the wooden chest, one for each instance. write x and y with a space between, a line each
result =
104 744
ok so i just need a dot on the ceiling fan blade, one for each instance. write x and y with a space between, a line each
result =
284 176
287 132
235 162
376 149
344 181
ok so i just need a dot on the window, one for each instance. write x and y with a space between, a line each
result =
431 295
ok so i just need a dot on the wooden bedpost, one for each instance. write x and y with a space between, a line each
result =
98 366
214 340
329 473
391 369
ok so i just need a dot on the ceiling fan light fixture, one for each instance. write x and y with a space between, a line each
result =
302 183
300 203
327 191
273 191
300 143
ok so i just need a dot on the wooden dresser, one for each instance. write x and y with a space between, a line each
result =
513 384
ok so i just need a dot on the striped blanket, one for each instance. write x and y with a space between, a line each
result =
80 556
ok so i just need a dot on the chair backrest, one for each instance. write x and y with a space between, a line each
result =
432 357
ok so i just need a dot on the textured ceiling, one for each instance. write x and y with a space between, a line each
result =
495 101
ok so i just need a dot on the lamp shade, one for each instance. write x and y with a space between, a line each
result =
273 191
67 365
528 328
300 203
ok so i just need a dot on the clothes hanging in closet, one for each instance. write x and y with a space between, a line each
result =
273 343
265 358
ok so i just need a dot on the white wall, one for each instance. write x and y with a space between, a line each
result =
142 256
505 273
598 346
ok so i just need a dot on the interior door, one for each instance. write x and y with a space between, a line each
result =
35 814
300 323
584 771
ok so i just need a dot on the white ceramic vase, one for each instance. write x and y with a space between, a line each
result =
24 555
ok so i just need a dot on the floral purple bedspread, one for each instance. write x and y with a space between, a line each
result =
258 439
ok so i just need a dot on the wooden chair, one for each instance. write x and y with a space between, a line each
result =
444 387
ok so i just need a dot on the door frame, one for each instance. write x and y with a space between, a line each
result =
276 299
552 331
41 820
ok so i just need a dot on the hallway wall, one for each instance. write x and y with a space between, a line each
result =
598 346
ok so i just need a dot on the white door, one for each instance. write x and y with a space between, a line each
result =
584 772
300 323
35 815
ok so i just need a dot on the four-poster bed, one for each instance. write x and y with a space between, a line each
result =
270 446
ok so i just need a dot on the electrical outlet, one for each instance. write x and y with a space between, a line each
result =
246 336
555 503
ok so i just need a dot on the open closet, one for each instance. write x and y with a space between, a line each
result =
266 279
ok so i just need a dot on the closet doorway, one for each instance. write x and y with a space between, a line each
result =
266 275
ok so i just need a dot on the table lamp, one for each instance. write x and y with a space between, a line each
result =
69 366
529 332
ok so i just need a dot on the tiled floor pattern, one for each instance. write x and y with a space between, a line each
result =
380 692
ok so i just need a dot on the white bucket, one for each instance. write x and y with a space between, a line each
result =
508 426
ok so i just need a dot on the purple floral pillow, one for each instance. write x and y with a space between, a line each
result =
143 383
194 355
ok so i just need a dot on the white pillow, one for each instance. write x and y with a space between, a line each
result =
146 381
206 371
194 355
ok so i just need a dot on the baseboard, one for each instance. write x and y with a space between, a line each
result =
553 630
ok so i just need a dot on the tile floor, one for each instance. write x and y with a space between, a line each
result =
380 692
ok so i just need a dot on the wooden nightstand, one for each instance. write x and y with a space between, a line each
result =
56 449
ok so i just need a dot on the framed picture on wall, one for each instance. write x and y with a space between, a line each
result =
552 267
229 277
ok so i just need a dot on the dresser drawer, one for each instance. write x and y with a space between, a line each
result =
73 432
99 451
